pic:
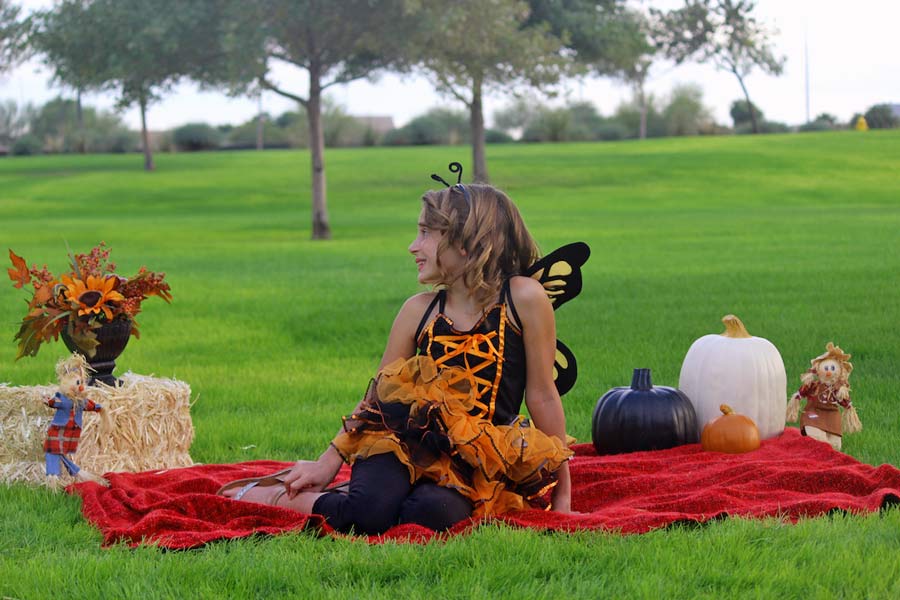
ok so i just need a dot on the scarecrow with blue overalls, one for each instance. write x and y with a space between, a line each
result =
64 432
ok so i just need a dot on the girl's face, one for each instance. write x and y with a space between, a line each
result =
425 250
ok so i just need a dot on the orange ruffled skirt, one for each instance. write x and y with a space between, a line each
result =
421 417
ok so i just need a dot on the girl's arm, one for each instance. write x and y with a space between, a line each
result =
541 397
315 475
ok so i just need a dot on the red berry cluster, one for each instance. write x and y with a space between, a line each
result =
141 286
40 277
96 262
131 306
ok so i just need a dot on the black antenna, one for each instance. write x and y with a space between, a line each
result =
455 167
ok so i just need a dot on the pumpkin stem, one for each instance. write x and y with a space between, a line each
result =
641 380
726 410
734 328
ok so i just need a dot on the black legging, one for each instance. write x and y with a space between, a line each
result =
381 496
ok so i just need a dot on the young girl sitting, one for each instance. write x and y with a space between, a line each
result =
438 437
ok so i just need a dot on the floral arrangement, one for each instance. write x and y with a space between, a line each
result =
80 301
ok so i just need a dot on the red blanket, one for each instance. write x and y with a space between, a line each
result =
789 477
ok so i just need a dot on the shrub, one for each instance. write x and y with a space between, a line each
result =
495 136
244 136
437 126
27 145
764 127
116 142
628 115
740 113
817 125
611 131
550 125
197 136
685 114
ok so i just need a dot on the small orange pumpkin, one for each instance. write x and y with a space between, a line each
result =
731 433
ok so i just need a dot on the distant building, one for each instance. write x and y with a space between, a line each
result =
378 125
895 108
3 150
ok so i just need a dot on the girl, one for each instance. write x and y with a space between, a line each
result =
438 437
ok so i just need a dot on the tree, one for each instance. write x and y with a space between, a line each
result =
470 47
63 38
139 48
606 37
332 42
12 35
725 32
881 116
13 121
636 71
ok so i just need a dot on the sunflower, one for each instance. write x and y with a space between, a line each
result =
92 297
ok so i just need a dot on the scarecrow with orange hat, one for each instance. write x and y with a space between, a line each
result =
826 388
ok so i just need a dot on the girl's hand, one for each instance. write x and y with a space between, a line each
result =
310 476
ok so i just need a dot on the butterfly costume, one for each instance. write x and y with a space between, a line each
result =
450 413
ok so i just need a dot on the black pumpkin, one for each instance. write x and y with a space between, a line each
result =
643 417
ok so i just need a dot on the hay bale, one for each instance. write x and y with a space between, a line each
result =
145 425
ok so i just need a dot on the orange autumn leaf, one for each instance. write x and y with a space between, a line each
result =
42 295
19 272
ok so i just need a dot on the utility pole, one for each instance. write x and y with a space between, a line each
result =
806 68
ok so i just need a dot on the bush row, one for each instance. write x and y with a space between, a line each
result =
61 126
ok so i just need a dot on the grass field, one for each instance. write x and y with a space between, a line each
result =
277 335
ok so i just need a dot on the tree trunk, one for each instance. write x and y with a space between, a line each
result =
145 137
642 99
260 124
753 122
81 146
479 164
320 228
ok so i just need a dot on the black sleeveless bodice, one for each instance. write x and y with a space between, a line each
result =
491 355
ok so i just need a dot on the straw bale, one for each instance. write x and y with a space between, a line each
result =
145 425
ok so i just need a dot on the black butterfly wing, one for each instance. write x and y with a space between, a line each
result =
565 368
560 272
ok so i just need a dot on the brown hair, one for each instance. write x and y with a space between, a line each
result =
491 231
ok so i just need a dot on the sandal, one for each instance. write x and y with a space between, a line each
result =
249 483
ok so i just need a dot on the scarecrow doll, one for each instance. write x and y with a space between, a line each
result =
826 389
65 428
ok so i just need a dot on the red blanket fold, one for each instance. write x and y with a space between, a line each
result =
790 476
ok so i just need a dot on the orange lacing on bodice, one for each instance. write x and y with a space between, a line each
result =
478 351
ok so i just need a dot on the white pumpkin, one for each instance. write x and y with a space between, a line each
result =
740 370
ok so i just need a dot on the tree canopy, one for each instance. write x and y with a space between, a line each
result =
12 34
724 32
138 48
332 42
472 47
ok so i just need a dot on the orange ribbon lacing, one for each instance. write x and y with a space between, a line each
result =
476 345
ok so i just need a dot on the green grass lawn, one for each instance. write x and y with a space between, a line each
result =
277 335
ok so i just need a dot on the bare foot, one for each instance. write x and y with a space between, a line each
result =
273 495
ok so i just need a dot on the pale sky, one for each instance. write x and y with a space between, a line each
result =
854 62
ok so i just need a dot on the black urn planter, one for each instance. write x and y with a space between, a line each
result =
113 338
643 417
